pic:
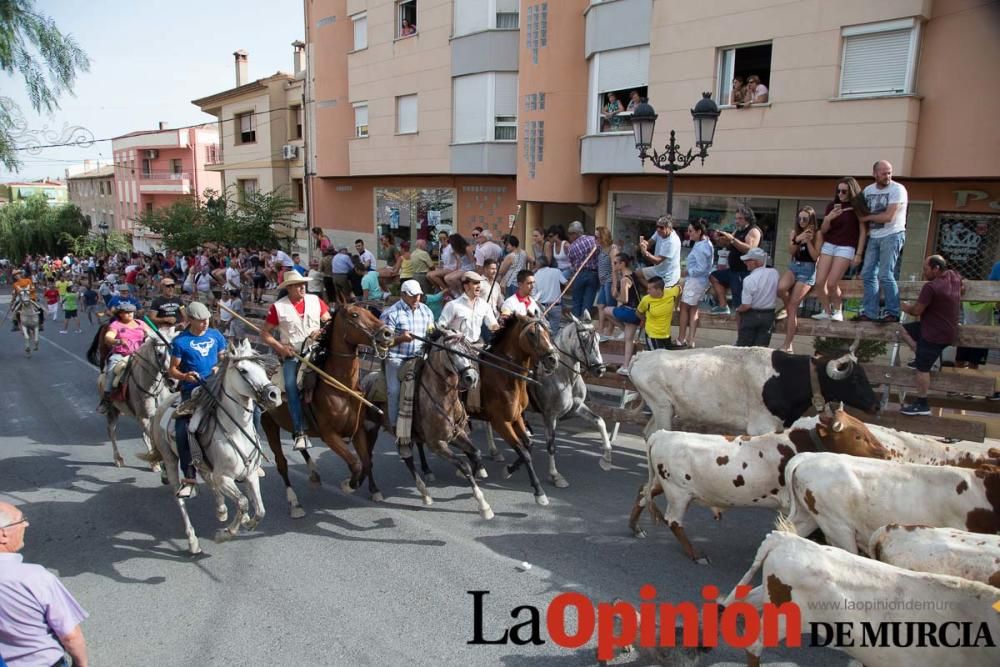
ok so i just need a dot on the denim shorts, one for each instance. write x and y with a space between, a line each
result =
805 272
625 315
604 297
844 251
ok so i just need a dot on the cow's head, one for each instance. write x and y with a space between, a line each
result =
843 380
841 433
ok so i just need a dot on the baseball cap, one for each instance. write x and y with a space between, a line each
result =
472 276
125 307
755 254
411 288
198 311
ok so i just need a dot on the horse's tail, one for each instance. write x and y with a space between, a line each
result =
94 351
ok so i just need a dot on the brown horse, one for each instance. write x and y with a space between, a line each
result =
337 415
521 345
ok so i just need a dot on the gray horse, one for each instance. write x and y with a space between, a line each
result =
31 314
562 393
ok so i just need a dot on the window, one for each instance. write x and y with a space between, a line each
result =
146 167
879 58
299 194
485 107
246 127
149 208
410 214
478 15
616 73
406 18
360 22
245 187
506 14
406 114
361 120
743 62
295 116
176 166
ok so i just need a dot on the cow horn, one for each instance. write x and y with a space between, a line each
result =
854 345
838 426
833 367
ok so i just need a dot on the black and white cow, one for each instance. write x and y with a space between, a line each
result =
752 390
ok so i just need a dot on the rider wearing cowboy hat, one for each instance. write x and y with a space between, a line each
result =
298 317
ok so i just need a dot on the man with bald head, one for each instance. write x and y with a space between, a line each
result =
887 201
39 619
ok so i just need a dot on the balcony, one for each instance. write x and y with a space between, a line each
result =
159 183
609 153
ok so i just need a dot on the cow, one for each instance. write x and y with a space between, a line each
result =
752 390
939 550
849 498
722 471
819 579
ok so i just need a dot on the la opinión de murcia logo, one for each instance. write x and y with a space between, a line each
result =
739 625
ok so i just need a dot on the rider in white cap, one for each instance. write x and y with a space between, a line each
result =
406 317
299 317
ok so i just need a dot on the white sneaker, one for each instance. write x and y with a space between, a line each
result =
823 315
623 371
619 336
838 316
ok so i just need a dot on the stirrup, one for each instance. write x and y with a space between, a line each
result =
185 409
301 442
187 490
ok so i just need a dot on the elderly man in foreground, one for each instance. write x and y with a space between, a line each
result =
39 618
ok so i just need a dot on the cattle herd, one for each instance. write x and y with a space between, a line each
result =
904 517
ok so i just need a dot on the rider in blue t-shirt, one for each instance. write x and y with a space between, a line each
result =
123 296
194 355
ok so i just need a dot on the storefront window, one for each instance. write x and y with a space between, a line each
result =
970 242
414 213
635 214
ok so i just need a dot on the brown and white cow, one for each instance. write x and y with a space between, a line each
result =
849 498
724 471
939 550
820 579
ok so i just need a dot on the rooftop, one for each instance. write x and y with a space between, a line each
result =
109 170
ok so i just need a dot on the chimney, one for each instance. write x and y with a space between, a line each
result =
299 56
88 165
241 67
163 124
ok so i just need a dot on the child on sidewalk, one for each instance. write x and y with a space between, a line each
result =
656 311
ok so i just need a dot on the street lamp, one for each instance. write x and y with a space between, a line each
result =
103 226
705 115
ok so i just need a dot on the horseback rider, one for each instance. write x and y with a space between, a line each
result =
124 336
194 356
167 308
23 281
406 317
298 317
123 297
521 302
469 312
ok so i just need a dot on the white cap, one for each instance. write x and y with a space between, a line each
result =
411 288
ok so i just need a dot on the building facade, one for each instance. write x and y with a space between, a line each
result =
54 191
93 191
156 168
401 120
262 128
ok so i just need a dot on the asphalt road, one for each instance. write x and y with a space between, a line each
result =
352 583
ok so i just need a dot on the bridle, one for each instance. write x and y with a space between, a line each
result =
381 352
583 342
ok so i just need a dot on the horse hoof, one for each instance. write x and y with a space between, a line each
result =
163 478
430 477
315 480
377 497
251 524
119 461
222 516
194 548
486 513
639 533
508 472
155 467
605 464
542 500
346 487
702 560
498 457
481 473
245 521
428 501
222 535
297 512
559 481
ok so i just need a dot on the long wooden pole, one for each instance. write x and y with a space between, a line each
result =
326 377
570 283
510 228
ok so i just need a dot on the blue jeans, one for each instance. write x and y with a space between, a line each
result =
392 365
584 291
290 373
879 269
182 439
554 317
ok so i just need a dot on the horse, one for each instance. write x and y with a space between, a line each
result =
523 343
439 418
30 319
334 415
147 385
223 419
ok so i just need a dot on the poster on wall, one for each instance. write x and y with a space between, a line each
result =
433 218
393 218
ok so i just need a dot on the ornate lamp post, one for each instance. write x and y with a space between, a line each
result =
705 115
103 226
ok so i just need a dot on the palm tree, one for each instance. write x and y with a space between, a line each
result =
48 60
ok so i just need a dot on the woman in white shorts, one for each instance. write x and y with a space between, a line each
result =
843 246
700 262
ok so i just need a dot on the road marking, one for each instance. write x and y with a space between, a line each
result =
63 349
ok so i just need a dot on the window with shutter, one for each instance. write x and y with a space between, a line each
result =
505 107
471 107
879 59
506 14
361 120
247 124
471 16
614 77
406 114
360 22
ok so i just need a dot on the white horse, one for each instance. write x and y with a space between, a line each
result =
147 387
30 314
222 431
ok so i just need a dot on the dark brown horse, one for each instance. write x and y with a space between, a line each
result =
521 345
337 415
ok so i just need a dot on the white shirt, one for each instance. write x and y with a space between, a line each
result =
367 258
487 250
878 200
514 306
492 297
467 317
669 249
233 277
448 259
548 285
760 288
281 257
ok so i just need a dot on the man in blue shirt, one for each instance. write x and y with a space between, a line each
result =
407 316
195 354
297 265
124 296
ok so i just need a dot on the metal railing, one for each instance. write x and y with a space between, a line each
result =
164 176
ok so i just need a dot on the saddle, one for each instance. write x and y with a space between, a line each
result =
408 374
119 385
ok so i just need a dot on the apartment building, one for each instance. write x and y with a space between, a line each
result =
413 126
261 124
92 189
54 191
153 169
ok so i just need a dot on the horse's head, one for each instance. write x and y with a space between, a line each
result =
23 294
358 326
246 375
533 339
161 348
458 355
582 343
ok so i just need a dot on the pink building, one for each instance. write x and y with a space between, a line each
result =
153 169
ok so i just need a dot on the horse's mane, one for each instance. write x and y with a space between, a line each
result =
501 334
94 351
203 399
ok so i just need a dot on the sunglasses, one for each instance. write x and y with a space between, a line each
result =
841 191
23 520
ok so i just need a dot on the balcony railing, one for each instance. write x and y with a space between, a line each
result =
164 176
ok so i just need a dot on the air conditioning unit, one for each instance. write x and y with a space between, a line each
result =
152 154
289 151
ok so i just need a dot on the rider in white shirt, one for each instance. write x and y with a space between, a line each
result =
467 313
521 302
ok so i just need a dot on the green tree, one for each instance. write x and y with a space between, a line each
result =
34 227
264 220
182 225
48 60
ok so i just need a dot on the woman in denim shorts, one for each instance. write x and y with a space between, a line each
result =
843 246
803 245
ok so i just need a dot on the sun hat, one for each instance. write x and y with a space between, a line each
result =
196 310
411 288
755 254
294 279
